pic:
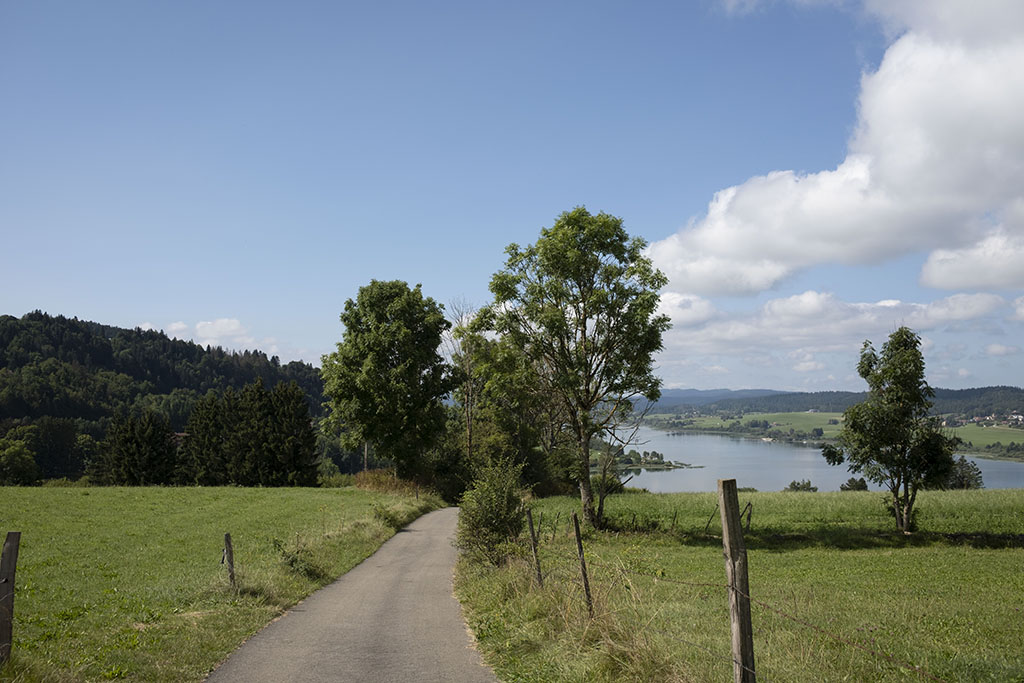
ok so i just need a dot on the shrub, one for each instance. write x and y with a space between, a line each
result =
17 466
492 514
801 486
854 484
384 481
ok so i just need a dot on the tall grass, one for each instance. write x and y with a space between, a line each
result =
947 599
126 583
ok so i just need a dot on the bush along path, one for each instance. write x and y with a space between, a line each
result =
392 618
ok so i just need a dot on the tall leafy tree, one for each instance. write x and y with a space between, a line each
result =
386 381
582 302
890 437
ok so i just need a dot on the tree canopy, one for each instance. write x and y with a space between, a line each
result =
889 437
386 381
582 302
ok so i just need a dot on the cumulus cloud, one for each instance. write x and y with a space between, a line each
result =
994 262
977 21
684 309
177 329
933 165
223 332
813 322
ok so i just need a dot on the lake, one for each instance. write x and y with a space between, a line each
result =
766 466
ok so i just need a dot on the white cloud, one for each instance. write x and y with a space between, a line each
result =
1001 350
996 262
973 21
934 164
146 326
963 373
684 309
815 322
177 329
226 332
951 309
1018 306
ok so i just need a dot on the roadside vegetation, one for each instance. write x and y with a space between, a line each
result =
840 594
127 583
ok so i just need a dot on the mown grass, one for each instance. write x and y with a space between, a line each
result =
127 583
949 598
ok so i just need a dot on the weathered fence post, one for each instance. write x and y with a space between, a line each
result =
554 527
533 544
229 557
739 587
8 565
583 565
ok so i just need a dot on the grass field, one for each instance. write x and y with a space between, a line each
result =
986 436
126 583
804 422
949 599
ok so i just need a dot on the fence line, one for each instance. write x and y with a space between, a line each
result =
567 574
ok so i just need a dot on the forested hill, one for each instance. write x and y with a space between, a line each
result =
969 403
57 367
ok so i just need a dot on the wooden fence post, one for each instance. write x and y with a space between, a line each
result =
8 565
229 557
739 587
533 544
583 565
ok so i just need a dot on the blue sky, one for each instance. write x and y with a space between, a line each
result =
809 174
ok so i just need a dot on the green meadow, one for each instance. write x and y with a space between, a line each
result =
127 583
839 595
986 436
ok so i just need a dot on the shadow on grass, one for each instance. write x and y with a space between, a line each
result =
779 540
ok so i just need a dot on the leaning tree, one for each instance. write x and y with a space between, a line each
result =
582 302
890 437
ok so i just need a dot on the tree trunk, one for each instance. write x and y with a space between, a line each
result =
586 493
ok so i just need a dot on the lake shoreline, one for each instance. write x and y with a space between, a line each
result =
768 465
802 443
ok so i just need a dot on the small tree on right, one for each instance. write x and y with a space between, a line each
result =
889 437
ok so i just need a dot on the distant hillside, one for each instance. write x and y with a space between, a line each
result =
979 402
57 367
673 398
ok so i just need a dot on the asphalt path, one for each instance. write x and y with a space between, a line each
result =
392 618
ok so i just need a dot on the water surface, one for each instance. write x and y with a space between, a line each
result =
766 466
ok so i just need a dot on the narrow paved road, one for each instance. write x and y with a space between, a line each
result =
392 618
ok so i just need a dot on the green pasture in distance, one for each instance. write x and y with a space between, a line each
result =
986 436
127 583
802 421
947 598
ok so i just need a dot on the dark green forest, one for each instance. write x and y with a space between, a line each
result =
62 379
977 402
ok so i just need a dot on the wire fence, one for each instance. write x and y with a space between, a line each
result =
560 566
